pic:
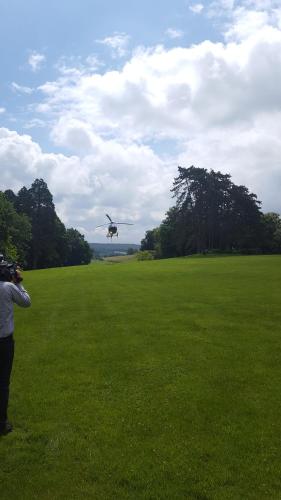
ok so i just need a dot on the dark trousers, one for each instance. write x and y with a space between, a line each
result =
6 363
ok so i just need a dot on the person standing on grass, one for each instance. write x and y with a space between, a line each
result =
11 291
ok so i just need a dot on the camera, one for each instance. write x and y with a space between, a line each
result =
9 270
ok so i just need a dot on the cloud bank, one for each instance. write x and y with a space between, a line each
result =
128 181
123 132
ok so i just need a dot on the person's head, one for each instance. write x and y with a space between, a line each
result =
5 274
7 270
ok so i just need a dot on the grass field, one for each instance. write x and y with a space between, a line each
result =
147 380
119 258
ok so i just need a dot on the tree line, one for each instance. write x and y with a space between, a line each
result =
212 214
32 233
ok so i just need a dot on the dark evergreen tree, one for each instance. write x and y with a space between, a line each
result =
214 212
43 217
24 202
191 190
31 231
170 235
243 231
211 213
48 247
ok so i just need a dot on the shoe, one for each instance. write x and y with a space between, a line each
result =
5 428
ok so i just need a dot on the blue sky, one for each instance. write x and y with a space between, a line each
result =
71 29
103 99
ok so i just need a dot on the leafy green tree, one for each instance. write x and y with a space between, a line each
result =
6 217
21 237
150 240
169 235
60 240
15 232
11 196
131 251
78 250
271 233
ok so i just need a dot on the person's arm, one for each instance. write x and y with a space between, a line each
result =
20 295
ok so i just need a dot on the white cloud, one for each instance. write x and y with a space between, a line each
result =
174 33
171 93
2 110
217 105
21 89
36 61
123 180
74 66
118 43
93 62
191 96
196 8
261 4
239 20
246 23
220 7
17 158
34 123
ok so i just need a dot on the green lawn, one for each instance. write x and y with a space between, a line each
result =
148 380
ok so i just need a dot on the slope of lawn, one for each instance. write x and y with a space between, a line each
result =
147 380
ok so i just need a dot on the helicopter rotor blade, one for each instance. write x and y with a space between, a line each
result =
109 217
102 225
126 223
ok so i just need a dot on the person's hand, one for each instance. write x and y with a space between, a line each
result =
18 277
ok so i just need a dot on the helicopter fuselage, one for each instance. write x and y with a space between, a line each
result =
112 231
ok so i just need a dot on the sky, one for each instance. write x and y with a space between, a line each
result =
105 99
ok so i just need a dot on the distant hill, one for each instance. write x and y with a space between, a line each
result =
110 249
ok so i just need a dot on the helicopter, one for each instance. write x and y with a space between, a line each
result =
112 229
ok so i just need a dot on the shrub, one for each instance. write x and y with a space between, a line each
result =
145 255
